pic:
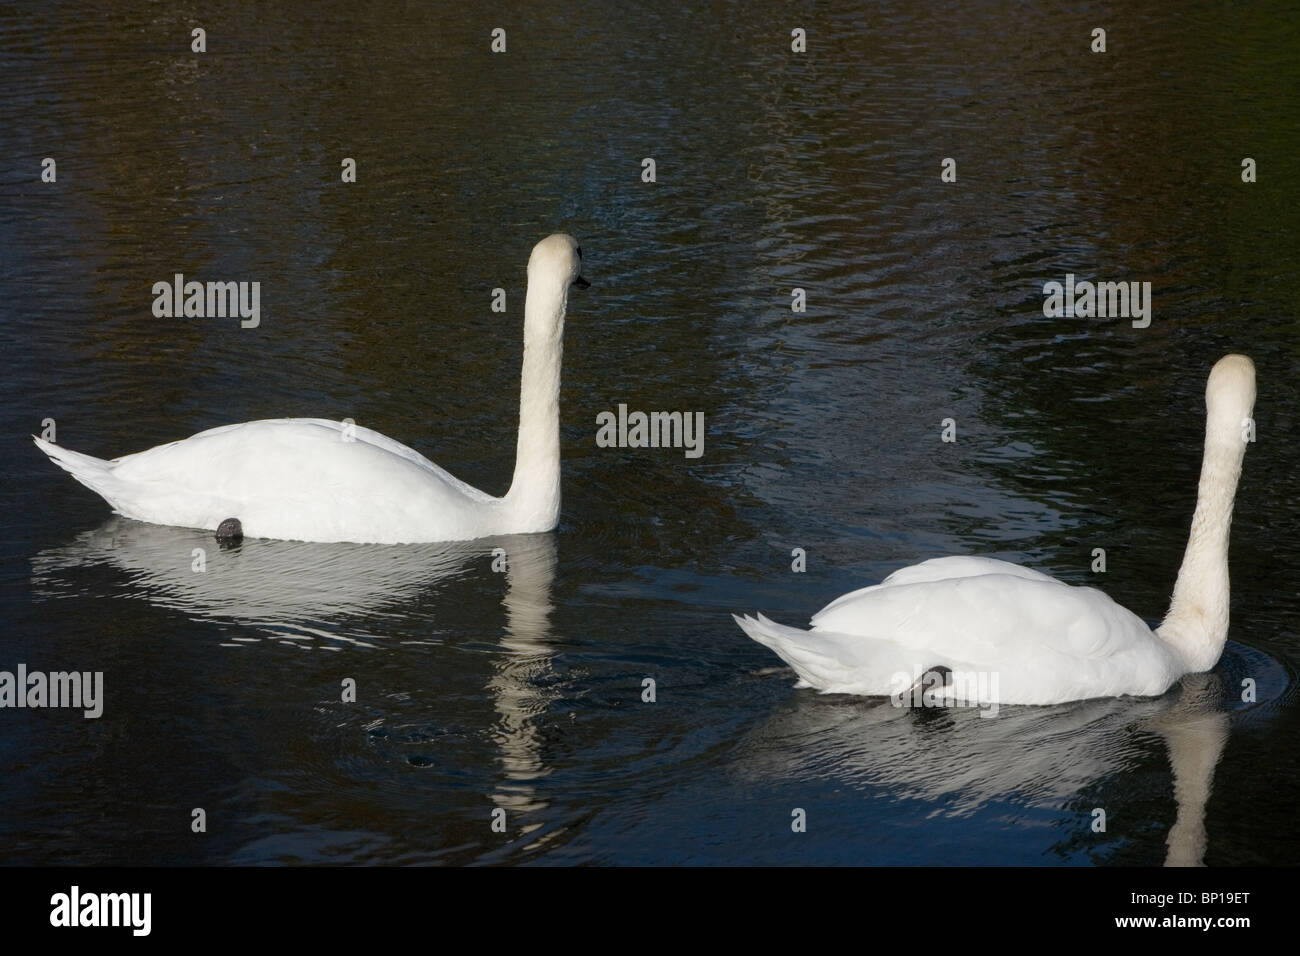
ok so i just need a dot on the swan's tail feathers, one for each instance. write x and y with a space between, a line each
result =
809 654
95 473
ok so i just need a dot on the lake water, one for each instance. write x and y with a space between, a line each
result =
479 690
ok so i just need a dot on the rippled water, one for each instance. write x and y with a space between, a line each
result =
522 690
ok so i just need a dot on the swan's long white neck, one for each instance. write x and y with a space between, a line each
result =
534 496
1197 623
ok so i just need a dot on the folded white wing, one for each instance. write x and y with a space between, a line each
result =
1033 638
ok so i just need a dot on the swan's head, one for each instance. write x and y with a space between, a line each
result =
557 259
1230 398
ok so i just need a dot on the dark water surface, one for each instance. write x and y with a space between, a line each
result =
480 690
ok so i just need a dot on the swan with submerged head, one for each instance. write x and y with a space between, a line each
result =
1046 642
310 479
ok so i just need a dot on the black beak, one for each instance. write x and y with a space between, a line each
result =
581 283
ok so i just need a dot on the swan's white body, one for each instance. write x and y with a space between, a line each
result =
292 478
311 479
1039 641
1046 641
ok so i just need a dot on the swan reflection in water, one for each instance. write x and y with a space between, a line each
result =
326 593
1195 730
521 689
1059 757
288 589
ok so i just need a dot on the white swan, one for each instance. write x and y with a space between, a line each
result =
311 479
1036 640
